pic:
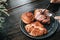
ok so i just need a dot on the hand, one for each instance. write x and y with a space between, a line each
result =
57 17
54 1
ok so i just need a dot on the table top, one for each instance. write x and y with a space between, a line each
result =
13 26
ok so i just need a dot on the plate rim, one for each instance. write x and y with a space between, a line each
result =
41 37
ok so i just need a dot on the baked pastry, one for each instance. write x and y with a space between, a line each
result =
27 17
36 29
41 15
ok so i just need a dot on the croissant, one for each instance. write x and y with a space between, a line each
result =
36 29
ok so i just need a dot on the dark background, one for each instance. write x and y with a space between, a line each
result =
12 25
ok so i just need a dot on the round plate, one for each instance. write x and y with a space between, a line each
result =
52 27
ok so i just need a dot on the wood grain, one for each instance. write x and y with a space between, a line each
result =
13 29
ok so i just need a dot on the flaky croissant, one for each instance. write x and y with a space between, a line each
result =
36 29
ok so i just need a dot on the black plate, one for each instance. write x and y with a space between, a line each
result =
51 29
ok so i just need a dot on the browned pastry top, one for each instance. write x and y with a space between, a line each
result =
27 17
36 29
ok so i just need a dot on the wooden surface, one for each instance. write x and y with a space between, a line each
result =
13 24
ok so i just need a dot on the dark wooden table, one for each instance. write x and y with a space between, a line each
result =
13 22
